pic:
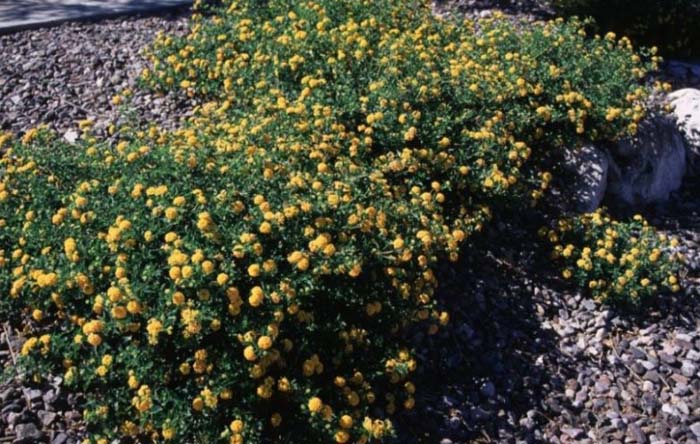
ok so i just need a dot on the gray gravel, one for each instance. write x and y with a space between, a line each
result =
58 76
527 360
524 360
32 413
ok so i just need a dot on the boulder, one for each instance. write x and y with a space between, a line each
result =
27 434
686 103
587 167
647 168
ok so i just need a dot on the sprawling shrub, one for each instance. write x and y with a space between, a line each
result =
246 277
672 25
617 262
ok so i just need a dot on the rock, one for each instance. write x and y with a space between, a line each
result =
70 136
695 428
46 417
27 434
667 358
33 394
488 389
646 168
12 407
12 418
686 103
8 393
652 375
60 438
689 369
588 304
676 432
588 167
668 409
572 432
637 434
602 385
50 397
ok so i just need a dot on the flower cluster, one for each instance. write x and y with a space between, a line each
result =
246 277
618 262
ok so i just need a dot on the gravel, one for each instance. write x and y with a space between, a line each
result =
32 412
58 76
561 368
524 358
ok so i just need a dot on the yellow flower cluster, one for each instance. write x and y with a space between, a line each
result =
264 257
618 262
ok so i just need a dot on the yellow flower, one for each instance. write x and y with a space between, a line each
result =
315 405
94 339
346 421
114 294
544 112
178 298
133 307
265 228
303 264
410 134
207 267
69 246
256 296
341 437
254 270
170 213
168 433
154 328
264 342
221 279
236 426
249 353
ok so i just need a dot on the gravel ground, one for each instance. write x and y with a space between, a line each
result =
60 75
524 360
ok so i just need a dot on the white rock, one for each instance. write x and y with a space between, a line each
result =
70 136
646 168
588 168
686 103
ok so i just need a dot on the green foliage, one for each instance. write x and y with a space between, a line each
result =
246 278
671 25
618 262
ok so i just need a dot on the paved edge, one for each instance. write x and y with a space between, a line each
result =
145 9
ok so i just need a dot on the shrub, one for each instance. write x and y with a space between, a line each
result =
246 278
669 24
618 262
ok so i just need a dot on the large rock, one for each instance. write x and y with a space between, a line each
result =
686 103
587 168
646 168
27 434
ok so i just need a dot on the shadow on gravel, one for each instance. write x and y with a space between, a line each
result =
499 373
489 376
